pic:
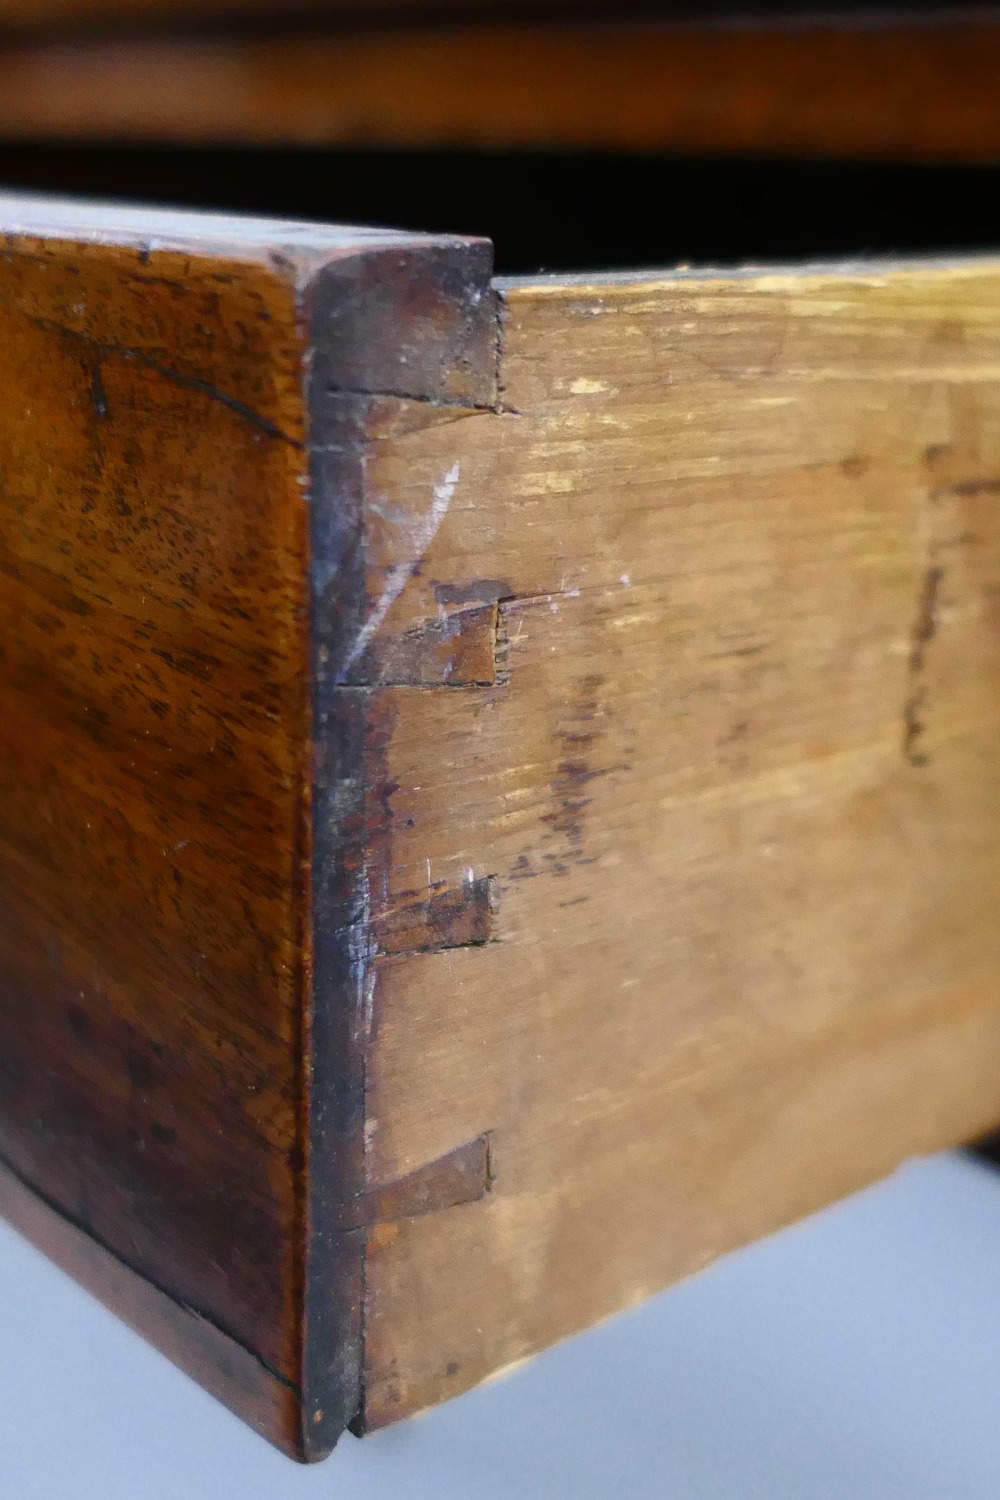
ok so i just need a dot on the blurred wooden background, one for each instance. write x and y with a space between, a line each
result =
885 82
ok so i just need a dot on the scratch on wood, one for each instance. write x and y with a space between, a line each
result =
178 377
400 575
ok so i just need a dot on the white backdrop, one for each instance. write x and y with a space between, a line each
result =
854 1357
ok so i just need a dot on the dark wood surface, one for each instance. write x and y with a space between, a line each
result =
170 1090
889 90
81 13
223 1366
151 762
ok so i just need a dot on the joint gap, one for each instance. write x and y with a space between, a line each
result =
444 402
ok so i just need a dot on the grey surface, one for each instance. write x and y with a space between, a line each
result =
854 1356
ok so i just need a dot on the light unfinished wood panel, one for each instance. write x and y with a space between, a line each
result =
735 783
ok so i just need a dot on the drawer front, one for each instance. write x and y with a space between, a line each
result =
500 789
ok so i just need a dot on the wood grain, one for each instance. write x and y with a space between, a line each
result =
175 1040
499 787
735 785
151 766
882 91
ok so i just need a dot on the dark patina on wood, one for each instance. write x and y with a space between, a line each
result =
412 326
184 827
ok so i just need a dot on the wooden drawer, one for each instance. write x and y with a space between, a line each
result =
501 800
